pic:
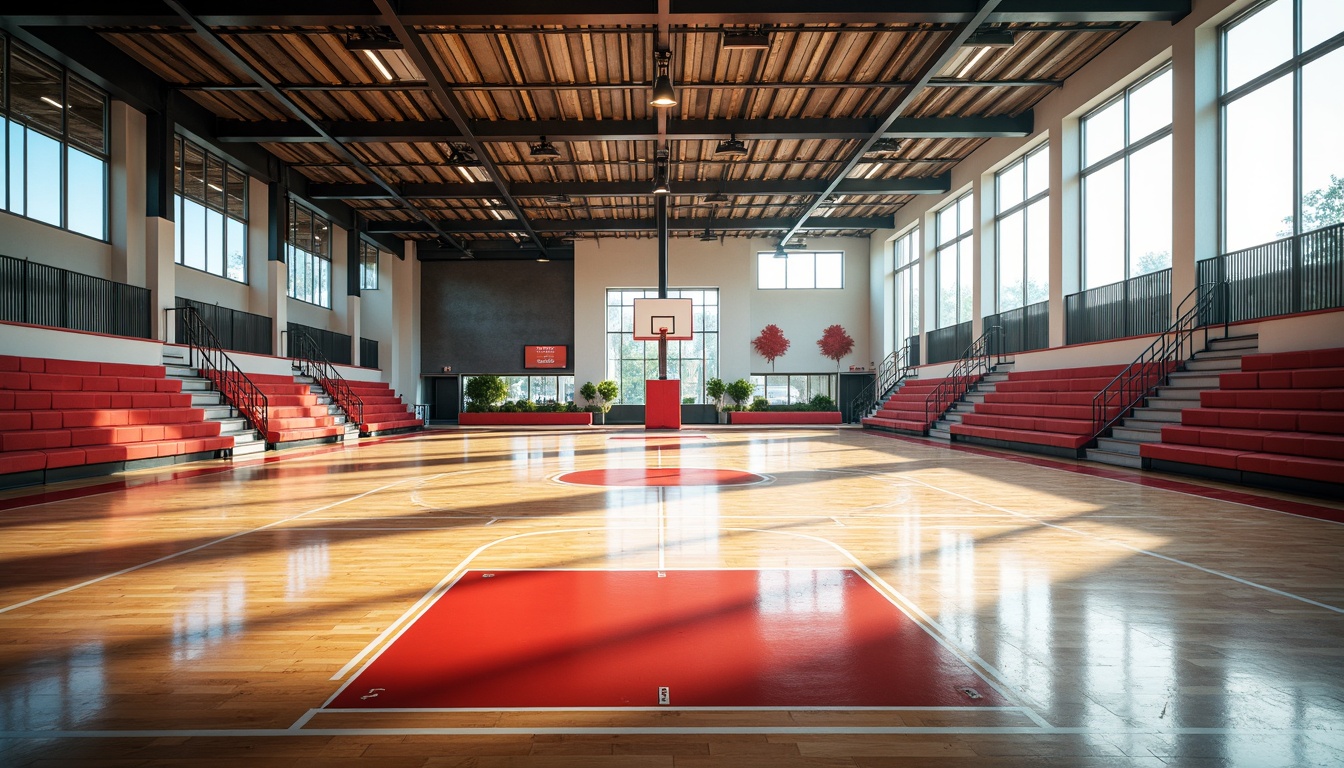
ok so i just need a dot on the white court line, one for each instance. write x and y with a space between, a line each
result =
784 730
794 708
197 548
1139 550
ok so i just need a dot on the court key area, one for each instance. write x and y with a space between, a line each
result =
721 597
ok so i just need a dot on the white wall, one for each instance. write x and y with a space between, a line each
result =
743 310
376 309
32 341
22 238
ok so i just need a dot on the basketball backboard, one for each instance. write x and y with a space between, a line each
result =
654 315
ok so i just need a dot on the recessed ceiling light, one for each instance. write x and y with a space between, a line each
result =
543 149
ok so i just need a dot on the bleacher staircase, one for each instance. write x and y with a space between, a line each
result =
204 395
942 428
1182 390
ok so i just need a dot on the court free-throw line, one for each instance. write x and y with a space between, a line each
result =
1138 550
230 537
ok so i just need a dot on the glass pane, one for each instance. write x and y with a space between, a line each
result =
193 234
1150 107
1321 20
1038 252
947 224
193 171
1150 208
1259 166
1011 184
802 270
237 194
87 193
1038 171
830 270
4 136
321 236
964 264
1322 151
1011 259
1104 226
177 164
214 242
1258 43
237 250
35 91
302 228
947 287
16 134
770 273
44 178
88 108
1104 132
965 216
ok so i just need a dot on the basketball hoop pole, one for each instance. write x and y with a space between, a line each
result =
661 215
662 353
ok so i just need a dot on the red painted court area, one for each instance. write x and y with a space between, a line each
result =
770 638
644 477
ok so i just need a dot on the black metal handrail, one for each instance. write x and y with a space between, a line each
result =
891 372
209 357
1150 369
978 359
308 357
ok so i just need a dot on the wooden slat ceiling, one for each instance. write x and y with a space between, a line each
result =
596 76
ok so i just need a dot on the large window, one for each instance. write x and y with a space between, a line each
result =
53 140
368 266
630 362
1283 161
538 389
1127 183
905 261
1022 223
309 255
788 389
800 270
953 263
211 200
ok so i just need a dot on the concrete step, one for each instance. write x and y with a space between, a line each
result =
1151 425
1117 446
195 385
975 397
219 411
1249 342
1228 364
179 370
952 417
1114 459
1158 415
231 425
1200 379
248 448
994 378
1136 435
1219 354
1179 393
940 433
200 399
1168 404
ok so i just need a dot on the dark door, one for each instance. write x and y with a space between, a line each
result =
447 398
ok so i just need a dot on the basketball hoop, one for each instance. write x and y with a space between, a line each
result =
662 331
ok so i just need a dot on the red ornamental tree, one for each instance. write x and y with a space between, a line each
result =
771 344
835 343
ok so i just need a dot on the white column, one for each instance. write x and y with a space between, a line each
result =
1065 210
1194 168
405 358
277 303
161 275
983 284
126 204
353 327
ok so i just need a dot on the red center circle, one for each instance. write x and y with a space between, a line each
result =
636 477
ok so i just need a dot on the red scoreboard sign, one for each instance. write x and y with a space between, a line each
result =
545 357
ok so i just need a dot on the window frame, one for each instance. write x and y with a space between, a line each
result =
1021 207
181 196
954 244
369 255
66 142
762 256
1294 66
624 311
909 272
1128 149
314 263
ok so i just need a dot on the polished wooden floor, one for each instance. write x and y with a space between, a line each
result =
205 616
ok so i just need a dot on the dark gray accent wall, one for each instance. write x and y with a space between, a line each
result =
477 316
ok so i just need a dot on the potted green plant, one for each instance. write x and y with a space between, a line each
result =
740 393
714 389
599 398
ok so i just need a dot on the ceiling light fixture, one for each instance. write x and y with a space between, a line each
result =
748 39
715 198
372 40
980 54
731 146
52 102
560 200
796 244
780 253
543 149
884 145
378 63
663 93
660 185
543 260
707 236
991 38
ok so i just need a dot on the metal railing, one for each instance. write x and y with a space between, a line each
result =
44 295
1025 328
1150 369
946 343
890 372
208 357
334 347
237 331
310 361
1132 307
979 359
1304 273
368 353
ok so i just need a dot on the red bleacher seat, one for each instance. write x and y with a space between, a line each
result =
1282 415
905 409
56 414
384 410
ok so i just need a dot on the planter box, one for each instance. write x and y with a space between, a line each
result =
467 419
784 417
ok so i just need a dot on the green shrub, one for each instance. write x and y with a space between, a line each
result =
484 393
740 391
609 391
714 389
760 404
821 403
688 401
